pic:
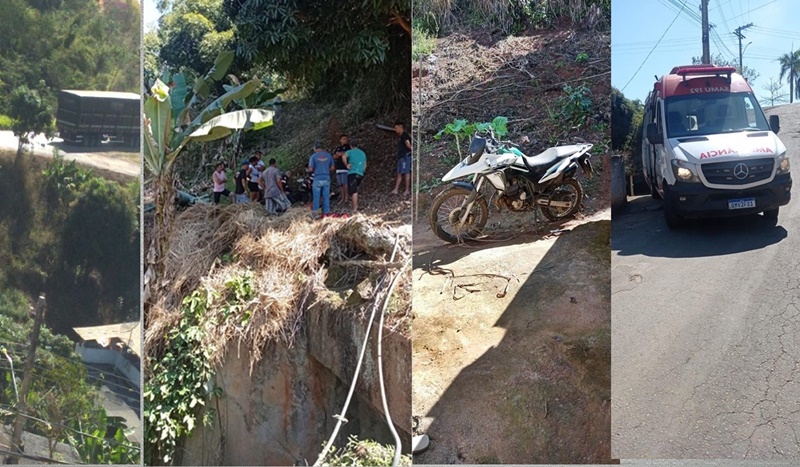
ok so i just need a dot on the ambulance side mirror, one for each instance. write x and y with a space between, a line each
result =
653 135
775 123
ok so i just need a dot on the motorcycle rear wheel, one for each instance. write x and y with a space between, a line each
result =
569 190
446 209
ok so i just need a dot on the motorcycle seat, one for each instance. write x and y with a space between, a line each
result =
550 155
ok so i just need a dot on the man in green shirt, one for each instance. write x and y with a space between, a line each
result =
356 161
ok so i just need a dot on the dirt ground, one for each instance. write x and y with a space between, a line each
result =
517 375
521 377
111 162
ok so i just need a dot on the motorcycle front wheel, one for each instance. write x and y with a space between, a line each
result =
570 191
446 212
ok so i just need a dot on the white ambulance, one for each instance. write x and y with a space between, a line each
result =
709 151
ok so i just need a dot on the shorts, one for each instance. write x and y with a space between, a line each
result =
404 165
342 178
353 181
219 194
253 186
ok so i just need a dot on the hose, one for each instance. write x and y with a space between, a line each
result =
397 443
340 417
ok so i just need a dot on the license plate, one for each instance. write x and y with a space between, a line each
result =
741 203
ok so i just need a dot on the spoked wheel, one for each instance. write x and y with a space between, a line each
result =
445 215
569 191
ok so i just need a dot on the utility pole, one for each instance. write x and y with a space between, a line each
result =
738 33
706 50
27 379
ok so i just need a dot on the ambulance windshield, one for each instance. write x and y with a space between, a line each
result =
712 113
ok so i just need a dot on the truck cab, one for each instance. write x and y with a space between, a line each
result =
708 150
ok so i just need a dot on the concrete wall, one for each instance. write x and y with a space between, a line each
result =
283 413
104 356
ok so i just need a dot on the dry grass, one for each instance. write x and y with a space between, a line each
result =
286 259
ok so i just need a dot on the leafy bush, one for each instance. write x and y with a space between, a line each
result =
576 104
14 303
422 43
364 453
5 122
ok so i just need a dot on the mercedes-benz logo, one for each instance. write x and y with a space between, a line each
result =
740 171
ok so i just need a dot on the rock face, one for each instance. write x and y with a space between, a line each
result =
282 414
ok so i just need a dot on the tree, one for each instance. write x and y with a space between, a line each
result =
775 90
749 74
324 45
176 116
30 115
790 68
192 34
622 112
99 254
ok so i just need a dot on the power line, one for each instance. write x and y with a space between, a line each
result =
95 378
754 9
654 47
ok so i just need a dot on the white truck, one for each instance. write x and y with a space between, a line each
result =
708 150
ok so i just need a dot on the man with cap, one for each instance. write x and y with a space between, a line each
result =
320 165
241 183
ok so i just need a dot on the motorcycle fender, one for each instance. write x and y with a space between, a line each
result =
568 172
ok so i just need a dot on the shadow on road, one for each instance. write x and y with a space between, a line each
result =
541 395
641 230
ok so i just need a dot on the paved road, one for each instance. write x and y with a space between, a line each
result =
706 332
112 158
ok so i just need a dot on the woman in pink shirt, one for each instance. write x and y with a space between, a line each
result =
219 184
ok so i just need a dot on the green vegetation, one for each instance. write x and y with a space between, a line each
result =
53 45
790 69
437 17
29 114
60 393
5 122
364 453
180 387
576 104
460 129
72 235
422 43
626 129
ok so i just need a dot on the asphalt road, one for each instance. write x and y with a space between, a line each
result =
706 332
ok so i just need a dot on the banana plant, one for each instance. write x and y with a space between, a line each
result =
173 118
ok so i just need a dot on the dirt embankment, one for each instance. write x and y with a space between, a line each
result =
476 75
511 341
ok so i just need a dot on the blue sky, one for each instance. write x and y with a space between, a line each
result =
151 14
636 26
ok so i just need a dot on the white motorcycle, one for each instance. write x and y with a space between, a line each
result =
545 181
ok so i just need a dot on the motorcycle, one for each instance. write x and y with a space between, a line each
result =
522 184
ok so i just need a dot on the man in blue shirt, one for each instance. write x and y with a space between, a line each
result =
321 164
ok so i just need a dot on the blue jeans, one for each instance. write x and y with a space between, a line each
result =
322 188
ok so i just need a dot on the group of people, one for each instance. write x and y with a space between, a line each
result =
258 182
254 182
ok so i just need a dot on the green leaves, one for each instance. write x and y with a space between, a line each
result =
178 391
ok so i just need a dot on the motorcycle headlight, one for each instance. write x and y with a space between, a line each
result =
685 172
783 164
